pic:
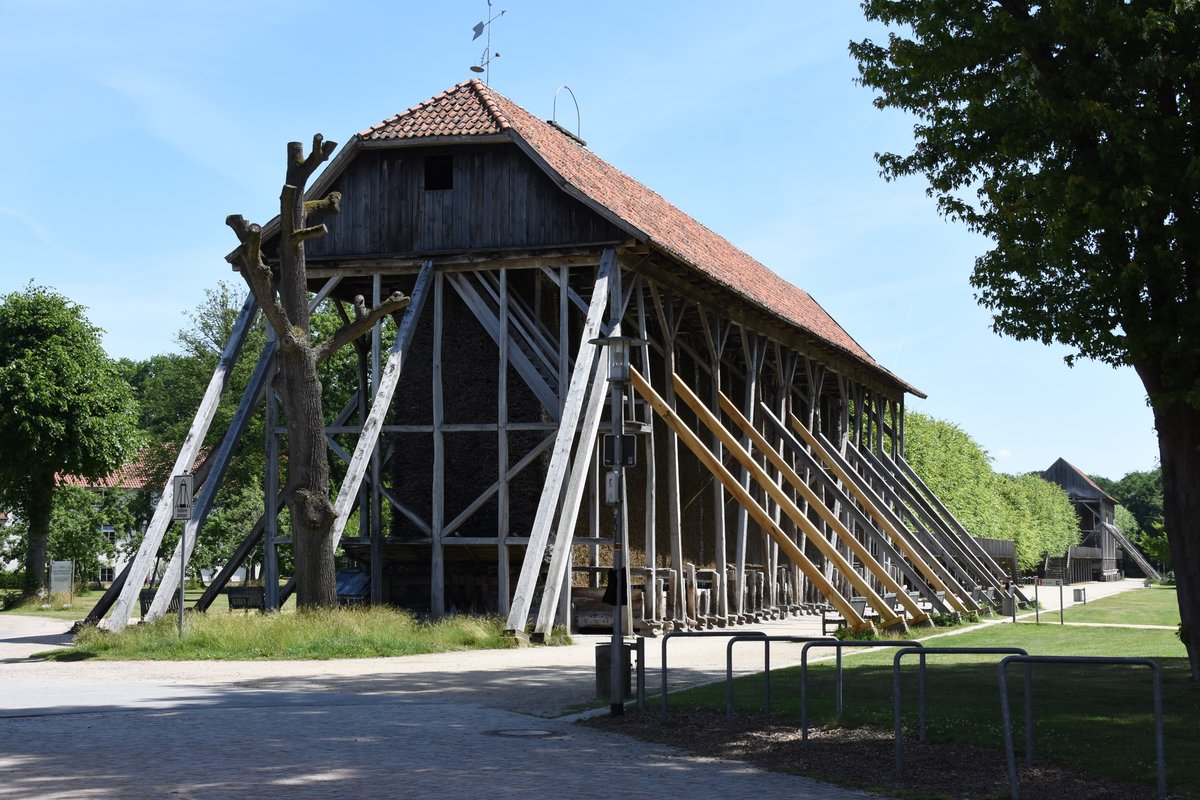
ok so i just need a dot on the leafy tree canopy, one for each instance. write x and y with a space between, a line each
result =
1035 514
64 408
1068 133
1065 132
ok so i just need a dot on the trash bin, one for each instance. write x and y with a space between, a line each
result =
604 670
1080 595
1008 605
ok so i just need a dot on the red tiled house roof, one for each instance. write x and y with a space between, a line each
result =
135 474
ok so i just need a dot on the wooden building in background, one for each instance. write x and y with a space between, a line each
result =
768 476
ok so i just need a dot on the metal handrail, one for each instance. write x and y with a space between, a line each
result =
694 634
766 640
837 694
1006 717
928 651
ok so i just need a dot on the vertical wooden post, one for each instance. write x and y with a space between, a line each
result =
650 542
715 336
666 318
502 518
437 567
376 529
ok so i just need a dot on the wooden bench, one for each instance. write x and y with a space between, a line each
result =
245 598
146 597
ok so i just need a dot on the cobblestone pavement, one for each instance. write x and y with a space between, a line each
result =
483 724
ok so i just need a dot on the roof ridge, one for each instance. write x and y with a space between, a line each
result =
484 92
480 90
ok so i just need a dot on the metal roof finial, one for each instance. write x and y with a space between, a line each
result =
485 61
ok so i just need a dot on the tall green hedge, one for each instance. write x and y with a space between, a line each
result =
1033 513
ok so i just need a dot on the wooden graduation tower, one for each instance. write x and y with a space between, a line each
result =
769 476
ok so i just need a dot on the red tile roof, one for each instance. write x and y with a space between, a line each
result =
473 109
135 474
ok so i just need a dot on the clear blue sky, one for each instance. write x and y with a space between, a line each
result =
133 128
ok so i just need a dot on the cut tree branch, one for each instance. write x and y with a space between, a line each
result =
301 168
311 232
258 276
352 330
327 206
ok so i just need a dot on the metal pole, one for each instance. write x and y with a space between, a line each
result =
182 554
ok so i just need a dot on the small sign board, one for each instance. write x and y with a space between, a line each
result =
62 577
628 450
181 507
1052 582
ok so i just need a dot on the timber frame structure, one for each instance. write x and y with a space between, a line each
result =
769 479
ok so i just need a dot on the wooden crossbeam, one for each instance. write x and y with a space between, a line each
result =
745 456
843 502
883 516
988 562
560 456
690 440
517 356
368 438
759 442
143 561
947 536
953 572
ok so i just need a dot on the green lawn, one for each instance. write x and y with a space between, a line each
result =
1154 606
1095 718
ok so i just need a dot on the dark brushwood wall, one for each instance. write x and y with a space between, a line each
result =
499 199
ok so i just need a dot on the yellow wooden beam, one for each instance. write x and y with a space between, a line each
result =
690 440
887 615
800 518
868 502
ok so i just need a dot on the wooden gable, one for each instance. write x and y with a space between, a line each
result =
450 198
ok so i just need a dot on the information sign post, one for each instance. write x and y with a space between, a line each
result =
182 487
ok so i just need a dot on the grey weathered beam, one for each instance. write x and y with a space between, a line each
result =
218 464
517 357
560 456
143 561
560 556
369 436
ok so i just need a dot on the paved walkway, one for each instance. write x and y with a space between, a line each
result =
486 723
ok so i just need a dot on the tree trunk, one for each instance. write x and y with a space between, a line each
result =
1178 427
41 498
308 481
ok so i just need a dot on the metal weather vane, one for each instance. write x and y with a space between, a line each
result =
485 61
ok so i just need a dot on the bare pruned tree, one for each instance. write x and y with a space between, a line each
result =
282 293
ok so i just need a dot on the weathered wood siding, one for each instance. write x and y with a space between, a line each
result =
498 199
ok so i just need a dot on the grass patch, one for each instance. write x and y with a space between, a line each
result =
1096 719
324 634
1157 605
59 606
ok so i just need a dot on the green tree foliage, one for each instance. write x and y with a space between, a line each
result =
958 471
64 409
1047 521
1067 134
1033 513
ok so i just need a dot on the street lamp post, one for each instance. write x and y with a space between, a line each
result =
619 349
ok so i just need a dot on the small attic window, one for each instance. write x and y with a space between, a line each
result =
439 173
